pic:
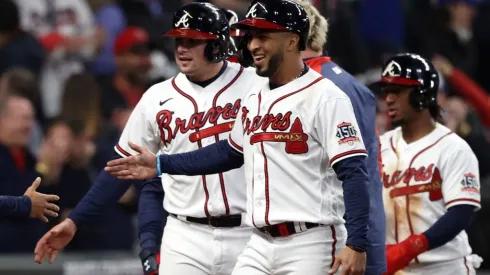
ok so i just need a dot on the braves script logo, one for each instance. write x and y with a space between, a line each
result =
430 175
295 139
196 121
184 20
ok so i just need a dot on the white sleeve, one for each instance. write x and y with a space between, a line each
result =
337 130
140 131
236 136
460 179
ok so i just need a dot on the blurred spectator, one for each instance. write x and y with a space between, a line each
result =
456 40
22 82
17 48
111 19
125 87
67 31
81 122
82 102
114 229
19 168
467 88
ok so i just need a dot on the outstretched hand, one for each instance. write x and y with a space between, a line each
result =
54 240
138 167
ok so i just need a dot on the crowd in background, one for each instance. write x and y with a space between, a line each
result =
72 70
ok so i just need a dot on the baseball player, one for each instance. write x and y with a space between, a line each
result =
430 177
364 104
205 231
298 138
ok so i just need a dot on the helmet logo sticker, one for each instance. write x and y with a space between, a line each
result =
184 20
252 11
392 69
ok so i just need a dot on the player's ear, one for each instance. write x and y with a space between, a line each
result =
293 42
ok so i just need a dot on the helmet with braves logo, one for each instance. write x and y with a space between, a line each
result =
273 15
414 71
235 34
203 21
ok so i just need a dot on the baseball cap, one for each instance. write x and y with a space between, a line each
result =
131 39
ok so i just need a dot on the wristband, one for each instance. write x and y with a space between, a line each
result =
159 170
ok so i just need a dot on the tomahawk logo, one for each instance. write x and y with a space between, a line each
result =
252 12
184 20
393 69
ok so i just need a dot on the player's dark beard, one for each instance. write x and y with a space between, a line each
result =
274 63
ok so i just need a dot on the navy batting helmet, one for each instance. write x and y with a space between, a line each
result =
204 21
414 71
273 15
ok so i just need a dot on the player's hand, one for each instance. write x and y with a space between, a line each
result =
55 240
41 204
353 262
139 167
150 262
398 256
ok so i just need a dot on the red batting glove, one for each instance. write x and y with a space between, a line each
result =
400 255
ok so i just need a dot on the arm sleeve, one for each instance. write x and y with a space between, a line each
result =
215 158
151 215
139 130
460 178
15 206
105 190
353 174
335 126
456 219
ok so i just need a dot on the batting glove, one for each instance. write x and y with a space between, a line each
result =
398 256
150 261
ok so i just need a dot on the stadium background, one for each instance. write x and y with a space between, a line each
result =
84 64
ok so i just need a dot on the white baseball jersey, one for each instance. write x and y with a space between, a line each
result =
421 181
291 137
178 116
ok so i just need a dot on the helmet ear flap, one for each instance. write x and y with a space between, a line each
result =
217 50
421 99
244 55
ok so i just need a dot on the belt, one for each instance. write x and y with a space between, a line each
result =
287 228
214 221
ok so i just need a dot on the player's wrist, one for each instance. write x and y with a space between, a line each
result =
357 249
417 244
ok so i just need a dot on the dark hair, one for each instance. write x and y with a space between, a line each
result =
435 112
10 16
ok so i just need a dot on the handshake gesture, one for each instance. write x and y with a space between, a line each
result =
139 167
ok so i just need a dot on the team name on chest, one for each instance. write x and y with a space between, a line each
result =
280 130
415 180
167 119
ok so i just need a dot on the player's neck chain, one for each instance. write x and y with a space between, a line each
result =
305 69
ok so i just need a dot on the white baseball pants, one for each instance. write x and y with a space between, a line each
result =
463 266
310 252
195 249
